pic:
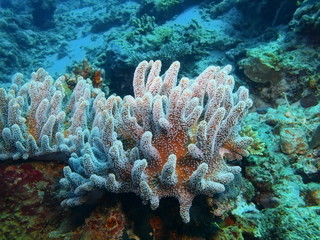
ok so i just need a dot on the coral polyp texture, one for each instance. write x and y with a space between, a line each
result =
171 139
35 118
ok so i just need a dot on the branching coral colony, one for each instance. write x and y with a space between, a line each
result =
169 140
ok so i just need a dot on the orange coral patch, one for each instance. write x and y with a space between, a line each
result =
174 144
31 123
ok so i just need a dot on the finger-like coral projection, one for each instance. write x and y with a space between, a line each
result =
171 139
37 120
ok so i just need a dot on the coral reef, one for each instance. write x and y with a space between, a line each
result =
162 9
170 139
144 24
306 21
29 207
188 42
273 46
286 176
115 14
283 67
104 223
294 223
256 15
34 121
85 70
256 147
42 13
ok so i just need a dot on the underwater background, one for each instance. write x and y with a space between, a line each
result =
89 50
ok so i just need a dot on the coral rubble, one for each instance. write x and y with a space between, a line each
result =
169 140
